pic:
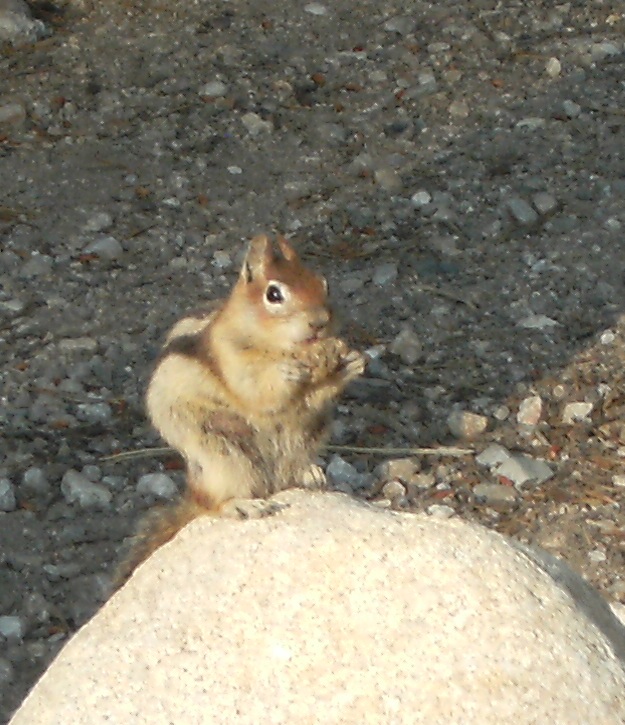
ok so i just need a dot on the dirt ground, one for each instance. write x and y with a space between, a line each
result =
457 170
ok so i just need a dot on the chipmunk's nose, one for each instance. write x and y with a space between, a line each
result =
320 321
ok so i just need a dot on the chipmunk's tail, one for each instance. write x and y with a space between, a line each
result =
157 528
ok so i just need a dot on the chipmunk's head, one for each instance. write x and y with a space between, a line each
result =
284 302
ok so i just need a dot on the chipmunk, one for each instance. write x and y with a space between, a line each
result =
245 392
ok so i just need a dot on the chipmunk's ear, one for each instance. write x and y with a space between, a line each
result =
257 259
287 250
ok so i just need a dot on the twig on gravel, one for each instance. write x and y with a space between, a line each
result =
438 451
443 293
138 453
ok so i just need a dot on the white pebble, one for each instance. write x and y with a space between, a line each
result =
256 125
440 511
407 346
316 9
466 425
576 412
421 198
537 322
214 89
530 410
553 67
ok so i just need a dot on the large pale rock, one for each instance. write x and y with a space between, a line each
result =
333 612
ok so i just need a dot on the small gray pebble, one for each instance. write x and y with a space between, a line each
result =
255 125
459 109
94 412
105 248
35 480
157 484
38 265
57 572
93 473
522 470
78 344
7 673
100 221
544 203
77 488
12 114
492 456
401 24
12 627
384 274
36 607
7 495
17 23
494 493
388 179
440 511
571 109
601 51
221 259
115 483
12 308
521 211
341 473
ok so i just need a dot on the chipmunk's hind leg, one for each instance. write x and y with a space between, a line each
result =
250 508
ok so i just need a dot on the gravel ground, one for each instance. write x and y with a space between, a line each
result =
456 169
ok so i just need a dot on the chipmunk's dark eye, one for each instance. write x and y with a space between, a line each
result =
274 294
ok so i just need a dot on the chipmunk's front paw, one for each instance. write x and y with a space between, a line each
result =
353 365
325 357
250 508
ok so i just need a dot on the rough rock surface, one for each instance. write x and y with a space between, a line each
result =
334 612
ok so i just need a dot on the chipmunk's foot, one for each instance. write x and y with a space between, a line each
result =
313 478
353 365
250 508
